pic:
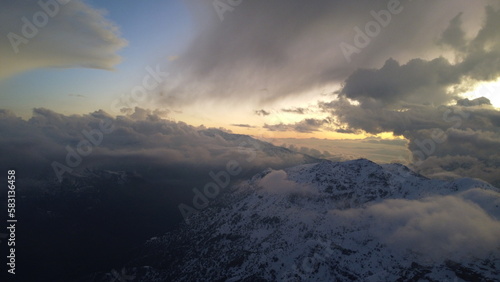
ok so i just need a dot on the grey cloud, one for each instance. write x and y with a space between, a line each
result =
277 127
290 47
456 166
77 95
432 229
78 35
454 35
299 111
305 126
417 81
242 125
262 113
474 102
418 226
346 130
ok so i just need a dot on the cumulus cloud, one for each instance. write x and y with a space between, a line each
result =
438 227
72 34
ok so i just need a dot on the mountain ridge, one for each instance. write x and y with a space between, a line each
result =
326 222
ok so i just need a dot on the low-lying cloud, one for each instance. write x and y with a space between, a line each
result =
437 228
139 141
276 182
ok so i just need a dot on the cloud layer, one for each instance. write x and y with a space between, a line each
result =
138 141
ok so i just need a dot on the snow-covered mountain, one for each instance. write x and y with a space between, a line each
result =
330 221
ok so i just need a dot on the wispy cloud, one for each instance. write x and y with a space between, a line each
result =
242 125
297 110
262 113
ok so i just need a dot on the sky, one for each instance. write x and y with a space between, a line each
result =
425 72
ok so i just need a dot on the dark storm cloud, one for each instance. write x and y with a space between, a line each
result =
288 47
